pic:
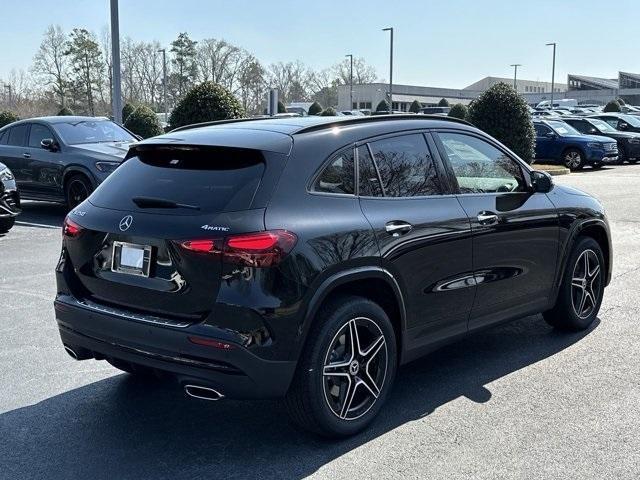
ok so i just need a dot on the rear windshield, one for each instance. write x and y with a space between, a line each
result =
196 180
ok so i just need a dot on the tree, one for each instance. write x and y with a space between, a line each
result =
362 73
612 106
328 112
203 103
127 110
65 112
443 102
458 111
383 106
315 108
87 66
291 79
186 70
7 117
51 64
504 114
281 107
415 106
252 87
143 121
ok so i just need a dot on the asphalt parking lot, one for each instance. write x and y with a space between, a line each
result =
518 401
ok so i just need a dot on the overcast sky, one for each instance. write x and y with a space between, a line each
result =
448 43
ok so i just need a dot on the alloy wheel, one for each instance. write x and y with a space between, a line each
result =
77 192
572 159
355 368
585 284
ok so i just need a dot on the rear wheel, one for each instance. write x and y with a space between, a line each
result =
77 189
582 288
347 369
573 159
596 166
6 224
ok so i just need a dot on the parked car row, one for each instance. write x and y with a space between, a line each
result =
596 140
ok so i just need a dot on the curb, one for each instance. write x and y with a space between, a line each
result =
552 170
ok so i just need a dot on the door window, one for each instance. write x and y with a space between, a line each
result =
338 176
479 167
37 134
406 166
3 137
370 185
541 130
18 135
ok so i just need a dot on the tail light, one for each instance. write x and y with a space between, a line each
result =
260 249
70 228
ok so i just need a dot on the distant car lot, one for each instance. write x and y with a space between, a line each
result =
517 401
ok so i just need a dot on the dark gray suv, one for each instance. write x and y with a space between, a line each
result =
62 159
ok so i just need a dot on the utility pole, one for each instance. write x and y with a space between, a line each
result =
164 83
116 101
351 83
8 87
515 75
553 72
390 29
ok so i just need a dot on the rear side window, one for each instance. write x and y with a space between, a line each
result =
338 176
213 179
369 180
18 135
406 166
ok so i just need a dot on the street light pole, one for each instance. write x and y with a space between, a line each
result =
164 83
8 87
350 83
115 60
515 75
390 29
553 72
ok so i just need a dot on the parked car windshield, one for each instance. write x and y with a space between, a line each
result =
631 120
563 129
90 131
603 126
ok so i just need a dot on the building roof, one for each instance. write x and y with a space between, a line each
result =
594 82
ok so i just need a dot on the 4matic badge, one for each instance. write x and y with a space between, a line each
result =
212 228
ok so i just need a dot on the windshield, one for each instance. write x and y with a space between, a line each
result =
631 120
99 131
563 129
603 126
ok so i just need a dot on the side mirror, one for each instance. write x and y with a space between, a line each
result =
623 126
550 135
593 131
541 181
49 144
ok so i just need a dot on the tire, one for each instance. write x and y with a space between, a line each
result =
573 159
633 161
317 398
622 155
580 294
77 189
6 224
597 166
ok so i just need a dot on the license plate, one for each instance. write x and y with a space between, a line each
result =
131 258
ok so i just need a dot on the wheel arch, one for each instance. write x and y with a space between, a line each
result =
74 169
374 283
573 146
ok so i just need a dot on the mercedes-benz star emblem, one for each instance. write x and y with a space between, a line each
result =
125 223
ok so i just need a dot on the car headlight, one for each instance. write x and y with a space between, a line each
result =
6 175
634 140
595 145
107 167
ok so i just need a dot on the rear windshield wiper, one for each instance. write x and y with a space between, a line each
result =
151 202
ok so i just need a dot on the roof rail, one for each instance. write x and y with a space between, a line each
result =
379 118
218 122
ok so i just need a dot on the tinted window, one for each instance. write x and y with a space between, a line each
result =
75 133
541 130
406 166
213 179
479 167
582 126
18 135
37 134
338 176
3 137
367 174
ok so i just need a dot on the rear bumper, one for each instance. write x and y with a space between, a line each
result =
235 372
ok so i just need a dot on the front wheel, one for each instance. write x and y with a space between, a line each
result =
582 288
573 159
347 369
77 190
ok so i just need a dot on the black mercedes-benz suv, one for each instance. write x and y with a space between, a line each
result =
307 258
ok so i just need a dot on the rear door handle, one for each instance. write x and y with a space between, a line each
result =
396 228
26 155
487 218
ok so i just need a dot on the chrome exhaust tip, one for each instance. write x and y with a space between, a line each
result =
203 393
71 353
78 353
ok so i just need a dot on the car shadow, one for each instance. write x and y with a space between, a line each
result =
41 214
123 427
